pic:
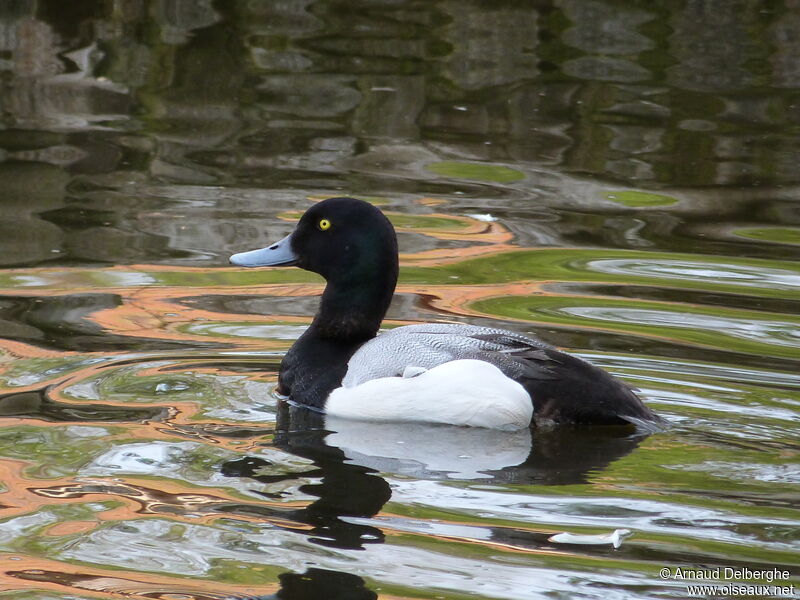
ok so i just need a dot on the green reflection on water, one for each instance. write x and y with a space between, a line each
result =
240 571
744 331
781 235
26 371
637 199
58 451
476 171
567 264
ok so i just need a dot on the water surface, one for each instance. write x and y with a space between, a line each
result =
617 178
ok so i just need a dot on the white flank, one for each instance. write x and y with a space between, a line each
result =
460 392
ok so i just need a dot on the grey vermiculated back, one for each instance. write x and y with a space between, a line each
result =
432 344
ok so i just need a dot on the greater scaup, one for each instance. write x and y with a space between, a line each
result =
438 373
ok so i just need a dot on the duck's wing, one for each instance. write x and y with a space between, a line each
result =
429 345
564 388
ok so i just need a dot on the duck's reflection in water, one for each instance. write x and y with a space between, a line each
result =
562 456
427 451
343 490
316 584
348 457
313 584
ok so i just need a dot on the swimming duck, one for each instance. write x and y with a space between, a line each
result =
437 373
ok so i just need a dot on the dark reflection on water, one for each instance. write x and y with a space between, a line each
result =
319 583
36 405
617 177
343 489
316 583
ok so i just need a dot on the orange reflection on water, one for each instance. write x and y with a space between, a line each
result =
158 313
488 238
27 572
158 303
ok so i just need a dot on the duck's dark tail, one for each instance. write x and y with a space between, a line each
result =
577 392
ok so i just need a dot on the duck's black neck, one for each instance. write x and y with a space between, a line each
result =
352 308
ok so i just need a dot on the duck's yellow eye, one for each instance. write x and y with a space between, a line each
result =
324 224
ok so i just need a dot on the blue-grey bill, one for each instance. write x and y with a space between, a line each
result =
279 253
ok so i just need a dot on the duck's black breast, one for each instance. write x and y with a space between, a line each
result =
314 367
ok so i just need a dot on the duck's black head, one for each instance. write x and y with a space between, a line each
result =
353 246
345 239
